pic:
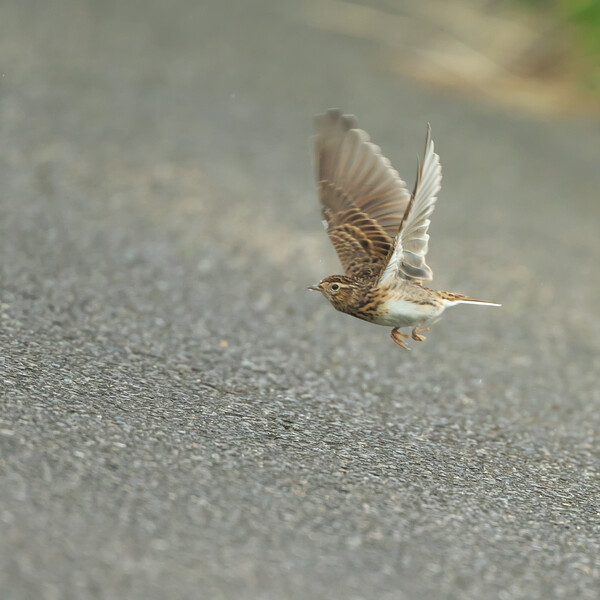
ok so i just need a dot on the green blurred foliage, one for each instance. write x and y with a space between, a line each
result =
584 15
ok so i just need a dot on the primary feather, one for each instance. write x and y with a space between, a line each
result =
407 259
363 198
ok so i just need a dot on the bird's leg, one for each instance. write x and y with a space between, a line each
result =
417 331
399 338
422 327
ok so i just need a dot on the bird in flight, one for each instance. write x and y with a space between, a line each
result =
379 230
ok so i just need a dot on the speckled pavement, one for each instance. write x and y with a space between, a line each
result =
181 418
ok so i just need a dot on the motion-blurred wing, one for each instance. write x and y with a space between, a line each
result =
363 198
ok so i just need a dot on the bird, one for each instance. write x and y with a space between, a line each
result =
379 230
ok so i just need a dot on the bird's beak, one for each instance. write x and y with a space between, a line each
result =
315 288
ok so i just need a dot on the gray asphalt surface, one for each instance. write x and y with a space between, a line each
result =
181 418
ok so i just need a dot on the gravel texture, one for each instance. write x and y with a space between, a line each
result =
181 418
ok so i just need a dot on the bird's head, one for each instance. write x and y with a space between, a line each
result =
339 290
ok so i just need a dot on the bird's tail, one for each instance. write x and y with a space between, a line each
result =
450 299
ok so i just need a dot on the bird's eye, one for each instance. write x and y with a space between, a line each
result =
335 287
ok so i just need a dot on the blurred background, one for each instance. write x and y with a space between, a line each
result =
538 55
180 417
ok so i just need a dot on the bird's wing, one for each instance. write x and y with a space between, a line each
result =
407 260
363 198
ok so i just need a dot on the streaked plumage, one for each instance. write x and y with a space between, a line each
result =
378 229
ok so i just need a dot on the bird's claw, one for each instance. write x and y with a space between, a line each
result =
416 334
399 338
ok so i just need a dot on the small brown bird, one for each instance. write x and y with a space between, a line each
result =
379 230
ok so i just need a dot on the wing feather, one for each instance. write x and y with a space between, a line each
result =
412 242
363 198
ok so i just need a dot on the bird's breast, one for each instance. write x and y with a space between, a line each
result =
402 312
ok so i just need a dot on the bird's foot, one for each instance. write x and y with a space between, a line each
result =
416 334
399 338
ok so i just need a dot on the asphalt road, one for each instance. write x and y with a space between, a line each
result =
181 418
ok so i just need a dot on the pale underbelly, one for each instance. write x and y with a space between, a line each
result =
401 313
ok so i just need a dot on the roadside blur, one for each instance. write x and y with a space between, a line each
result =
538 55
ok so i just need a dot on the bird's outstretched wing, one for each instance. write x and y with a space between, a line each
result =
363 198
407 260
